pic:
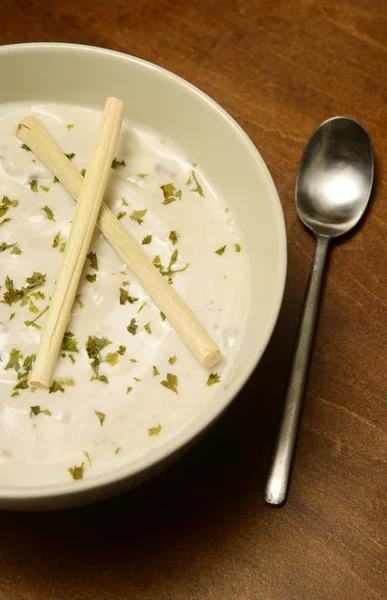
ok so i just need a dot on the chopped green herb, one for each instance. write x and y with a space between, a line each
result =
67 382
91 278
155 372
121 215
13 362
4 246
125 283
69 343
213 378
125 297
33 323
221 250
56 240
193 179
71 357
15 394
155 430
7 220
133 360
49 213
36 279
94 346
162 315
101 416
25 147
147 240
6 203
117 450
56 387
173 237
138 215
137 379
22 383
142 175
34 185
83 172
124 202
77 472
237 248
93 260
32 308
11 316
172 360
102 378
55 180
170 193
38 295
142 306
88 457
78 299
112 358
36 410
44 188
62 247
147 327
129 389
69 126
121 350
16 250
70 156
117 163
132 327
170 383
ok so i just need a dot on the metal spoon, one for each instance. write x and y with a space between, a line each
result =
333 187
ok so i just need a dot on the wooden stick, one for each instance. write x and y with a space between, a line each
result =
78 244
162 293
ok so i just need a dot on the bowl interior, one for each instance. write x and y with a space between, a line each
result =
158 100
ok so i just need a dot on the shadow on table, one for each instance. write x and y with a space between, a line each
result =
214 487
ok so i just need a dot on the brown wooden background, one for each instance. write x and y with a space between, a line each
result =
201 531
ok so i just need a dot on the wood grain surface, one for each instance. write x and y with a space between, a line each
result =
201 531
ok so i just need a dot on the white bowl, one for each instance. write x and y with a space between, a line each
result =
164 103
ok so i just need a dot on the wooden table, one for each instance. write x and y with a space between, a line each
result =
201 530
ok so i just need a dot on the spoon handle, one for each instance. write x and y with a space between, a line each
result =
278 478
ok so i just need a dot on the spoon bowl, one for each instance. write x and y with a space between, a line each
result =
335 177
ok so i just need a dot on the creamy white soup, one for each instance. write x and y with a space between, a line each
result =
124 382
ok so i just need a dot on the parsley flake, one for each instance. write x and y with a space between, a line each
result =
49 213
213 378
77 472
170 382
147 240
154 430
117 163
173 237
101 417
138 215
34 185
93 260
125 297
221 250
56 387
132 327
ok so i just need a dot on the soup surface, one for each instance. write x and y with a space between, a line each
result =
124 383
